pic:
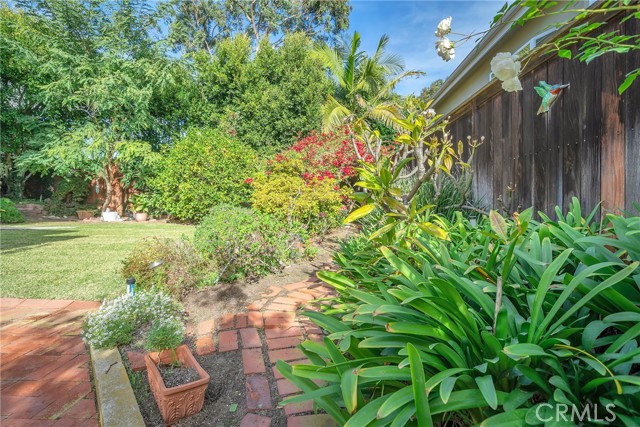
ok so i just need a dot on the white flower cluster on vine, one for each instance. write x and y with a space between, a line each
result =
506 67
118 319
444 46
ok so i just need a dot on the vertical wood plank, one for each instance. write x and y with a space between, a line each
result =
475 163
631 99
575 121
589 147
483 156
527 159
497 144
554 141
517 138
612 189
540 158
506 167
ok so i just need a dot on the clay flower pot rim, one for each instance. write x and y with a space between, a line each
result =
190 362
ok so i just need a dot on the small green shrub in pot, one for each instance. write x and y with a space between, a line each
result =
244 243
165 334
140 203
9 214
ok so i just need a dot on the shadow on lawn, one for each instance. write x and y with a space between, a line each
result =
15 239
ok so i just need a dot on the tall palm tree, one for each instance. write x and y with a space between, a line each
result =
364 84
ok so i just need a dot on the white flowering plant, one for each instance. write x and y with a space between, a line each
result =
444 46
506 67
585 40
116 322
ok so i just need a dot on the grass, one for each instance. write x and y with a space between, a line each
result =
63 260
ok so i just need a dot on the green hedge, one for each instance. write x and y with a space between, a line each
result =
9 214
203 169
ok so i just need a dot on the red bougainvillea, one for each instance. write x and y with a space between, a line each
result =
325 156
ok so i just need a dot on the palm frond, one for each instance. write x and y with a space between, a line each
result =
334 114
387 113
330 58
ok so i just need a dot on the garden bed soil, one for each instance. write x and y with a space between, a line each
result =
226 389
175 375
228 298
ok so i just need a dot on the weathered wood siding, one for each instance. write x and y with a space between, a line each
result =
587 145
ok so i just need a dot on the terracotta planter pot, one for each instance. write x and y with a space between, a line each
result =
182 401
84 214
141 216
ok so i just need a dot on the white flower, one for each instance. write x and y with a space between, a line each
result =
512 85
444 27
445 50
505 66
429 113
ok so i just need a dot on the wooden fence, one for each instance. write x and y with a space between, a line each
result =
587 145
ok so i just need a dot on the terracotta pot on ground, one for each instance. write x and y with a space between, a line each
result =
141 216
84 214
182 401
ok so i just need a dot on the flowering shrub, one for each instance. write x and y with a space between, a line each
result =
327 155
317 203
309 183
117 320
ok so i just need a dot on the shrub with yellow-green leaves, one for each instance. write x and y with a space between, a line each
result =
317 203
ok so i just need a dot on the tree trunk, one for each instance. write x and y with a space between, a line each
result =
108 188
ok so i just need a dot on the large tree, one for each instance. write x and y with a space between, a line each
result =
427 93
200 24
99 75
266 99
20 102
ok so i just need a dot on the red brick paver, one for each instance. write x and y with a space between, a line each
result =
136 361
258 394
205 345
252 361
250 338
271 327
322 420
253 420
228 340
44 365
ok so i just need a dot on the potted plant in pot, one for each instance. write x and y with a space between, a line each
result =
177 380
84 212
140 205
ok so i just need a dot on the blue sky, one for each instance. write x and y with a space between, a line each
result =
411 26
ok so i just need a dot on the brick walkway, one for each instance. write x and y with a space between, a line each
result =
44 366
270 327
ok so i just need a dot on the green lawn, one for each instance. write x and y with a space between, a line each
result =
76 260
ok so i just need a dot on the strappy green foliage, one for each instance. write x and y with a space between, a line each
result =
484 328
